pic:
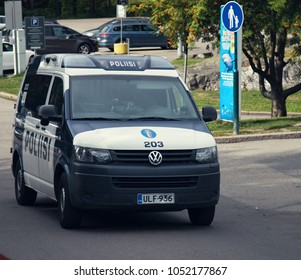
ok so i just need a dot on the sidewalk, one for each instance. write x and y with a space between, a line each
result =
226 139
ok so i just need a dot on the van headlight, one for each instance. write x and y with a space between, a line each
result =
91 155
206 155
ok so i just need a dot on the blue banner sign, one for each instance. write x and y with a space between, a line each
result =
227 66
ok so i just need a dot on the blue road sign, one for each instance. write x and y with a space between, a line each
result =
232 16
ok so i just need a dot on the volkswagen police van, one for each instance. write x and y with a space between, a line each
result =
113 132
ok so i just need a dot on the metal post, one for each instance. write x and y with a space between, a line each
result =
121 30
236 101
16 44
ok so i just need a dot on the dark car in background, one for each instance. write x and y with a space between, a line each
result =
138 31
62 39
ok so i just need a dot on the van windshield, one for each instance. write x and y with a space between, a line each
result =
130 97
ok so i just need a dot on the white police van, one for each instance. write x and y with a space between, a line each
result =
113 132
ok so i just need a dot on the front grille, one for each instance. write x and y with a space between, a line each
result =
155 182
169 156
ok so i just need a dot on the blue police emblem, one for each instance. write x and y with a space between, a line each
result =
148 133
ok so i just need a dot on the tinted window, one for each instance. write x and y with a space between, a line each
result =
60 31
57 95
7 47
131 28
104 29
146 28
116 28
48 31
34 93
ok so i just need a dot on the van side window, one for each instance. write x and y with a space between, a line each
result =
34 93
57 95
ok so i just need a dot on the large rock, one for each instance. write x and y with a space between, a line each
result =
206 75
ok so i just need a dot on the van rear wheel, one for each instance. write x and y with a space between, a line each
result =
70 217
24 195
201 216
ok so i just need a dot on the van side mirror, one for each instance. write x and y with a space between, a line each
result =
48 113
209 113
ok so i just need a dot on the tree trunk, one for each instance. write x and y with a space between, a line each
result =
58 8
74 8
279 107
92 8
185 61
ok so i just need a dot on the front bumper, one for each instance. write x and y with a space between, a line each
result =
117 187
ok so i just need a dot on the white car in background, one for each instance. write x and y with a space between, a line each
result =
2 22
8 56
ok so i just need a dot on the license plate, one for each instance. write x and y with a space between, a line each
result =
156 198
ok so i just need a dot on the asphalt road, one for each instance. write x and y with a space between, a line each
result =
258 216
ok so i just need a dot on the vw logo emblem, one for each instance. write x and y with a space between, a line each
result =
155 158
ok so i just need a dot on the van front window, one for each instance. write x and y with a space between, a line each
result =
130 97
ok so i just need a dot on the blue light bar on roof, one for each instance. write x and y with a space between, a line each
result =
116 62
132 63
77 61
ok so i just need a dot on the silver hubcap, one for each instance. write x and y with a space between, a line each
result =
84 50
19 182
62 200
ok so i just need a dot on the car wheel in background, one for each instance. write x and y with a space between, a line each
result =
84 49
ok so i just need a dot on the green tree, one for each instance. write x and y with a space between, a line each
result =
271 35
270 28
179 21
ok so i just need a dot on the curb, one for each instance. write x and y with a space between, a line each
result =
257 137
223 139
8 96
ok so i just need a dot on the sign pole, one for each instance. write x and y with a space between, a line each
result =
236 96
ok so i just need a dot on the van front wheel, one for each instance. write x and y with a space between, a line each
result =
24 195
69 217
201 216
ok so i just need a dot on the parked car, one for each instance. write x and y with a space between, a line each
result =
62 39
8 35
2 22
95 31
137 30
8 56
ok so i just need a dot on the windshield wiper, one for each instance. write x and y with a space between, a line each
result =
153 118
96 118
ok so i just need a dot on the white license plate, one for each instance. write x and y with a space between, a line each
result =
156 198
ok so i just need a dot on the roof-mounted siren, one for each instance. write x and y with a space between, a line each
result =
50 60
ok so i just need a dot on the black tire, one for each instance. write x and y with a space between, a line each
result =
201 216
24 195
69 217
84 49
